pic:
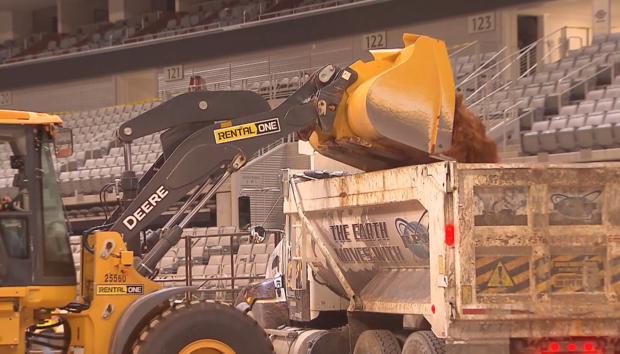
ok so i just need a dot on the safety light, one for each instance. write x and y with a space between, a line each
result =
554 347
433 308
449 235
588 346
248 299
571 347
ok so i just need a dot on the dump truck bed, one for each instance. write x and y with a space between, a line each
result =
536 249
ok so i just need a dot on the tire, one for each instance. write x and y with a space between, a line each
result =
424 342
176 328
377 342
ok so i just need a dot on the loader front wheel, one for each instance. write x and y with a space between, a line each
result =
203 328
377 342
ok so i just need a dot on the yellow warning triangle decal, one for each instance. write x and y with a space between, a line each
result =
500 278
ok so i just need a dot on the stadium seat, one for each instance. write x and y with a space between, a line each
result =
605 104
598 39
612 92
531 142
585 134
566 136
595 95
585 107
548 138
608 134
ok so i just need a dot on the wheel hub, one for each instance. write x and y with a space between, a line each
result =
207 346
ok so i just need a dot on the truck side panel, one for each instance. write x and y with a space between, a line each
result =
538 247
385 231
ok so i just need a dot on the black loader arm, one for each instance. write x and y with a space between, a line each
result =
179 118
192 110
207 154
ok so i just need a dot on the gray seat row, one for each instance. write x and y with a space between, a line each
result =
596 48
600 105
91 181
575 132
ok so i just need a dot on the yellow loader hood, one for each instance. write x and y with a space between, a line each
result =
399 112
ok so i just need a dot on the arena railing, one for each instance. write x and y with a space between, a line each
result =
190 31
220 288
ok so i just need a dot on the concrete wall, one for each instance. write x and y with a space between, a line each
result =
125 9
244 70
6 25
74 96
15 24
22 24
43 19
135 87
75 13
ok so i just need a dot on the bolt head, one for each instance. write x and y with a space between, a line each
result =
127 131
203 105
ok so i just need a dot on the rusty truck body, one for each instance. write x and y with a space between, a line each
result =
467 258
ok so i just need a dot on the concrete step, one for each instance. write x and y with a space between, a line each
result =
509 148
509 155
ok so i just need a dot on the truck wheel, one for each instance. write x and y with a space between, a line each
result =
203 327
377 342
424 342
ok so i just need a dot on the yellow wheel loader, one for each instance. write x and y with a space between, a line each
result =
393 111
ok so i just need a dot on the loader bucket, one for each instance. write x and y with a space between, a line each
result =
399 112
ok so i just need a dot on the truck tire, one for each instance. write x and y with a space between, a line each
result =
201 326
424 342
377 342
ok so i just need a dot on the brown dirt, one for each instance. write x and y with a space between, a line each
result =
470 143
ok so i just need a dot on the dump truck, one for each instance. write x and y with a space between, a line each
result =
446 258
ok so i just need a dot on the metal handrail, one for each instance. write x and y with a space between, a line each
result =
461 47
586 80
517 56
505 122
482 67
189 278
560 93
164 34
307 8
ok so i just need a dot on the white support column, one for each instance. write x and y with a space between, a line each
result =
22 23
235 190
6 25
15 24
601 17
137 86
224 210
135 8
75 13
116 10
182 5
126 9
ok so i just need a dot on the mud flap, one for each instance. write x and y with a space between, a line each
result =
495 346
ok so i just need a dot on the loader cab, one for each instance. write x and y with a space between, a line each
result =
34 241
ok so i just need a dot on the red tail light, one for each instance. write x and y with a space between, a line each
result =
554 347
588 346
571 347
449 235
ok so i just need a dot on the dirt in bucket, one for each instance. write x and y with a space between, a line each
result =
470 144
